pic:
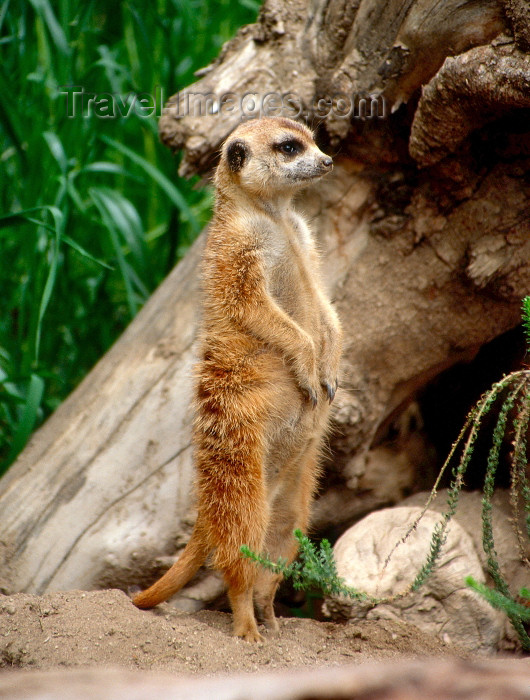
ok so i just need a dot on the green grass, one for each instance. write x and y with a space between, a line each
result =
92 214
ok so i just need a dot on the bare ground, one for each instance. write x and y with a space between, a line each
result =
103 628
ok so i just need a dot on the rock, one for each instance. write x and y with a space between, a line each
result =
443 606
509 554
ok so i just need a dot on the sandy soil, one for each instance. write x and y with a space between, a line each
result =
103 628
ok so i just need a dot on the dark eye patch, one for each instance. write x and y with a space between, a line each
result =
290 147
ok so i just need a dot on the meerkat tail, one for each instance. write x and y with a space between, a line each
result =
178 576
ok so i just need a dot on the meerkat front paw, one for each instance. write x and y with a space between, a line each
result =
330 361
309 393
306 372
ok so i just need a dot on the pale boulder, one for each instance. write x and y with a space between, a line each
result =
443 606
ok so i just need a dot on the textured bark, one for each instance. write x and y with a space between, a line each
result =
323 49
465 94
426 266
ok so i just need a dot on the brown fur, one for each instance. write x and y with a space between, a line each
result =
270 350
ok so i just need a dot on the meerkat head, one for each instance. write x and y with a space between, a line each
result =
271 156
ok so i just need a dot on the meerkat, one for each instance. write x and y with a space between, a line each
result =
270 346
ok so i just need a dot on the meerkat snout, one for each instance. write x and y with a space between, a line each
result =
325 164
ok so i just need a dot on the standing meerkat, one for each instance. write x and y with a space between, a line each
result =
270 346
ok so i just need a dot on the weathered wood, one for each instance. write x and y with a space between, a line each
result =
320 50
442 679
103 479
425 267
465 94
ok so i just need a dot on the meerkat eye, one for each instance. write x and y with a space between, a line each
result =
290 147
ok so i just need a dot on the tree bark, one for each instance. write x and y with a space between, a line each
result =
426 255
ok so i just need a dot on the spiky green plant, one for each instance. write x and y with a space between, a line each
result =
314 569
513 608
317 569
92 215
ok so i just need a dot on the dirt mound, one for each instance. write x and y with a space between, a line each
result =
103 628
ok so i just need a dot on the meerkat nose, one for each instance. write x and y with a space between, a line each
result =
327 162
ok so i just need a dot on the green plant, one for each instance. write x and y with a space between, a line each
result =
316 568
513 608
92 217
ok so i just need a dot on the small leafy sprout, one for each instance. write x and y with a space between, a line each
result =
526 319
315 569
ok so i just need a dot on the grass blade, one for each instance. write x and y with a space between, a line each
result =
57 150
79 249
101 202
29 416
44 9
21 217
126 221
169 188
52 274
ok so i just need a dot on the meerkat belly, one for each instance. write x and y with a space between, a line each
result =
292 289
294 427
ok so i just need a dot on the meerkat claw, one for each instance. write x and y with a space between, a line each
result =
309 394
312 397
331 390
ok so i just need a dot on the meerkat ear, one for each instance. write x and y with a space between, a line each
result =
236 154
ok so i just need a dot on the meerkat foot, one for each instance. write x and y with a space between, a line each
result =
249 633
265 608
272 625
254 637
244 621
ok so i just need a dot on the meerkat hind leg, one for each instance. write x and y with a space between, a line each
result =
244 621
296 493
240 576
265 592
246 523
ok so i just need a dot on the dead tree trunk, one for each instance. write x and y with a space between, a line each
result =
425 230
